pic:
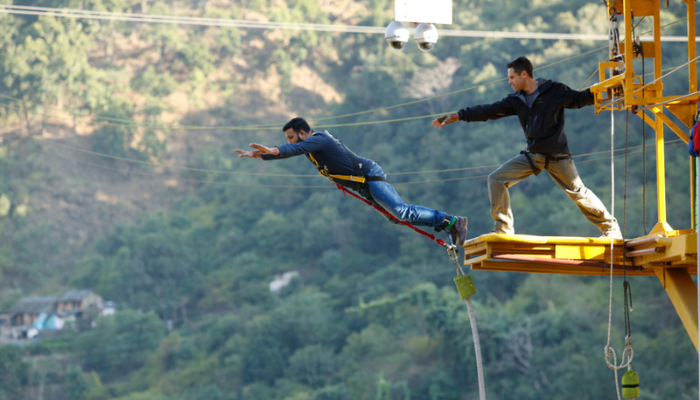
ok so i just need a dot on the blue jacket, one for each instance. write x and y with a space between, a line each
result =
543 124
328 151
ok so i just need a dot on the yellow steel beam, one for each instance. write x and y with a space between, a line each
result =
656 7
660 171
683 294
606 84
680 251
681 134
683 111
659 126
601 72
572 252
535 266
629 56
692 49
642 8
646 119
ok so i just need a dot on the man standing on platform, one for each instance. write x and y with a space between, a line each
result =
539 105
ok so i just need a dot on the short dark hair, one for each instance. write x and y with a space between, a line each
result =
298 124
521 64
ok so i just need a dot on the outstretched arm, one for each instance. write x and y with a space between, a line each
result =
482 112
577 99
258 152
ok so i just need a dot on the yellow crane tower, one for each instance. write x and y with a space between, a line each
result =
668 253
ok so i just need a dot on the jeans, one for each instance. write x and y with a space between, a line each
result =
384 196
563 173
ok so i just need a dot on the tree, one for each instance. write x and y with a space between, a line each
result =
75 386
14 372
114 138
43 62
313 365
167 38
120 343
158 273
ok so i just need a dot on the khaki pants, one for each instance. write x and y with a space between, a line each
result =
564 175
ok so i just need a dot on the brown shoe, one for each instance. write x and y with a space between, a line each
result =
458 232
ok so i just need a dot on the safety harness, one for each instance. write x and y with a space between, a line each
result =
547 159
354 182
398 221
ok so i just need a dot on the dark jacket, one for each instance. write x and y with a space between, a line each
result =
543 125
329 152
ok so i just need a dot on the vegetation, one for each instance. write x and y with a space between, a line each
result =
115 177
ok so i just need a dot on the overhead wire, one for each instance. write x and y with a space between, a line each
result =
271 126
221 22
337 125
230 172
131 160
675 144
188 179
227 172
266 174
669 101
453 92
667 74
275 126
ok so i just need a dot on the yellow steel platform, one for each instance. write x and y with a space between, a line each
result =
671 256
579 255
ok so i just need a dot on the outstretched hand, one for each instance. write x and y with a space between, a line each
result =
445 119
258 152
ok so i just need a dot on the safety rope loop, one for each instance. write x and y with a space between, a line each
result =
454 254
626 353
610 351
388 214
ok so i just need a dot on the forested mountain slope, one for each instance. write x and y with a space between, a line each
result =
117 173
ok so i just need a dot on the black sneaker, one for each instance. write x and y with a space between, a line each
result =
458 232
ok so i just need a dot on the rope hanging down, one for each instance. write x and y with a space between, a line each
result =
465 287
626 285
452 251
385 212
628 353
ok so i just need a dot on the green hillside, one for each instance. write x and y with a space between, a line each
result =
117 174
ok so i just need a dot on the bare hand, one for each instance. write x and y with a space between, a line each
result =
445 119
248 154
258 152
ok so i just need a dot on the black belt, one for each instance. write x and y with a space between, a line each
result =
547 159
